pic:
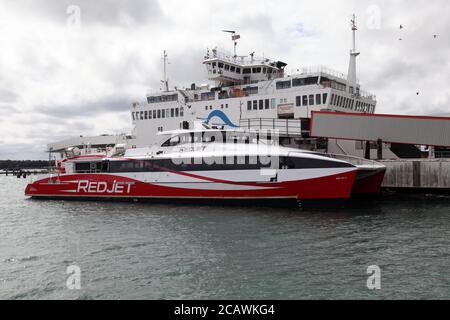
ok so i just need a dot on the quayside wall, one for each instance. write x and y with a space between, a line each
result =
420 174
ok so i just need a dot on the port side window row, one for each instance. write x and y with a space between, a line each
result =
305 163
343 102
159 99
200 164
226 67
297 82
311 100
92 167
250 90
265 104
351 104
365 107
203 164
258 70
158 114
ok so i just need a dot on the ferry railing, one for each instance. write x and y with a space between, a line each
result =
283 126
353 160
229 57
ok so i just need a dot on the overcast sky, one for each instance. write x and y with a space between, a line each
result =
71 67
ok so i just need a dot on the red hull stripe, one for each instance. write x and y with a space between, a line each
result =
330 187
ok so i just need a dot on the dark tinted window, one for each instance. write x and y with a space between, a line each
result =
214 164
283 84
91 167
305 163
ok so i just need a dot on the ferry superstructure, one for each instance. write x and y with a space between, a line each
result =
251 92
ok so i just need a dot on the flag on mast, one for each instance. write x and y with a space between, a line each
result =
235 37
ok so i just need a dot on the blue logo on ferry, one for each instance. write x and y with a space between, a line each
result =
222 116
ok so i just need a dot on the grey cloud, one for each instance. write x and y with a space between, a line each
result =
7 110
7 96
186 67
30 151
89 108
117 12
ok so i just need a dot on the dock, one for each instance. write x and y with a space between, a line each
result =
417 175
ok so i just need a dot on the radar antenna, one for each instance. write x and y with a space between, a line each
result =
234 37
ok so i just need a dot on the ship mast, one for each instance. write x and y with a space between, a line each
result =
165 81
351 77
234 37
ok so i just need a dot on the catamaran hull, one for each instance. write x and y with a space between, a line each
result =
368 182
310 185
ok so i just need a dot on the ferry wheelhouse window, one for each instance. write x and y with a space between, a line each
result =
267 104
311 99
298 101
220 65
247 71
238 70
324 98
305 101
232 69
159 114
227 67
173 97
298 82
249 105
207 96
255 104
145 115
250 90
261 104
177 112
283 84
133 115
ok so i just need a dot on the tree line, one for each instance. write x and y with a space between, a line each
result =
23 164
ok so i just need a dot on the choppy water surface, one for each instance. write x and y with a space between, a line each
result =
154 251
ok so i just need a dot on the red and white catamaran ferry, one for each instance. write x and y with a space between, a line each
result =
245 93
200 164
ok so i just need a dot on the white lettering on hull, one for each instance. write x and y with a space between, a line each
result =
103 187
